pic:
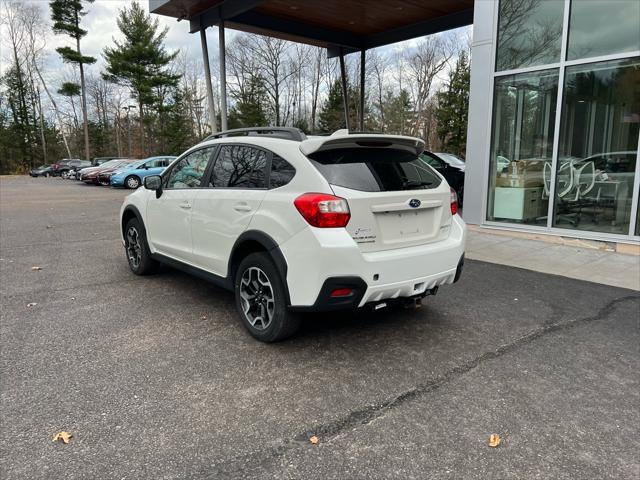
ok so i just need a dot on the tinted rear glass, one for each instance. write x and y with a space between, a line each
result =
374 169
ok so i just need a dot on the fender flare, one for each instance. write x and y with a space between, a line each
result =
132 209
273 250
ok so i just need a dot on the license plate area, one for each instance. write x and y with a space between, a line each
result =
407 226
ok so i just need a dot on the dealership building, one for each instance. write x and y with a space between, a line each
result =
553 136
554 117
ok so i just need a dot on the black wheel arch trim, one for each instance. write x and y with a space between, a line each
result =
136 213
272 249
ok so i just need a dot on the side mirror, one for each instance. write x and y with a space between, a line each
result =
154 182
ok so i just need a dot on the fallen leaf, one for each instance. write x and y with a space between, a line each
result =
35 269
49 226
494 440
314 440
32 304
64 436
203 317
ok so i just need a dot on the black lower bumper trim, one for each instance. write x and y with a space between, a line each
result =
459 269
325 302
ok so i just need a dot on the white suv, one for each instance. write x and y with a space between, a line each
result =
295 224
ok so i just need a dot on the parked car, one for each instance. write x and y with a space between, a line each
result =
300 224
90 175
97 161
62 166
451 167
74 166
133 175
104 174
42 171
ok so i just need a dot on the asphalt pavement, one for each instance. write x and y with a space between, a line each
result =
156 378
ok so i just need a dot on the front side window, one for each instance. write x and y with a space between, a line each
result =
374 169
188 172
239 166
524 111
529 33
601 28
598 146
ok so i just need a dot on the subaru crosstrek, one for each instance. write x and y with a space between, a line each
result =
294 224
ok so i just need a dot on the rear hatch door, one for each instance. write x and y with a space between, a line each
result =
396 200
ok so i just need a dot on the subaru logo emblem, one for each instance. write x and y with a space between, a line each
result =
414 203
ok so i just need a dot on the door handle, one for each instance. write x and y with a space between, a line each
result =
242 207
185 206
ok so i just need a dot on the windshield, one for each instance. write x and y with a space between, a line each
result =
374 169
451 159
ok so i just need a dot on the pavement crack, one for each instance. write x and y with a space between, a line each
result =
369 413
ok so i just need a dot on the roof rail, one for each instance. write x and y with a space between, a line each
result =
288 133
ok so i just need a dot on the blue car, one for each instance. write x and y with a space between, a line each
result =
133 174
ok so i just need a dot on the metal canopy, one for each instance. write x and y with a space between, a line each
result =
340 26
352 25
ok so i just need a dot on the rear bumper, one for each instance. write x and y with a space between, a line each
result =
315 256
116 181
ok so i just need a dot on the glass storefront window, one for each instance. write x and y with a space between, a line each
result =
598 146
524 112
601 28
529 33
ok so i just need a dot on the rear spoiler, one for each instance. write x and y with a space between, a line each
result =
343 139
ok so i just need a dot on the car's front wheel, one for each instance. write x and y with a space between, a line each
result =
132 182
261 300
137 249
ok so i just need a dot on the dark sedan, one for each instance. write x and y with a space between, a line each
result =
451 167
42 171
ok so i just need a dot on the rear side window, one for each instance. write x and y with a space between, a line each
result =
281 172
239 166
374 169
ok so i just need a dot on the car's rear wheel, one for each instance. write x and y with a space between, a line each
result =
137 249
132 182
261 300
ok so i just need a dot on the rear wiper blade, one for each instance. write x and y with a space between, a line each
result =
415 183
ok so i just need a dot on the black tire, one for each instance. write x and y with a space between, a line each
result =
282 323
132 182
139 258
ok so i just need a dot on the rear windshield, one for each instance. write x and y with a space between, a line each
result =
374 169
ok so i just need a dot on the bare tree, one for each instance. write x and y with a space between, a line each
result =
429 58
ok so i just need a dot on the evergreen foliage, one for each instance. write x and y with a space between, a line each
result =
452 111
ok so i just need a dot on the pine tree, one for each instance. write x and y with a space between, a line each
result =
66 16
250 109
140 61
399 114
453 108
331 116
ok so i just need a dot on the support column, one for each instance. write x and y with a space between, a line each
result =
223 78
207 74
362 62
345 99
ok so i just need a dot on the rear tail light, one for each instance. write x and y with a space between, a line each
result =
322 210
454 202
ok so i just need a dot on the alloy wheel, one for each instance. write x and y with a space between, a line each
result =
257 298
134 249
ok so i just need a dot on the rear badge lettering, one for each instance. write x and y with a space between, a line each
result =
363 235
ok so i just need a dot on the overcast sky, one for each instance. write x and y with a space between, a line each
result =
100 22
